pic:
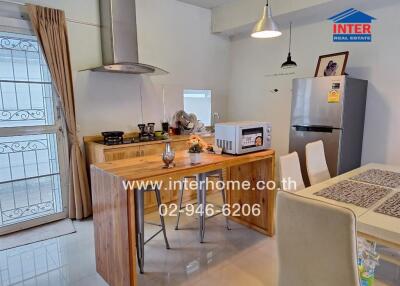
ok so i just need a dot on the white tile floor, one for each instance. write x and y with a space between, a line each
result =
67 260
236 257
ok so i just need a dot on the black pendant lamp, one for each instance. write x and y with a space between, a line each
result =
289 63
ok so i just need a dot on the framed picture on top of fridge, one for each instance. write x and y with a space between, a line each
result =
332 64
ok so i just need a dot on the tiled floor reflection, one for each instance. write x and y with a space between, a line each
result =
236 257
67 260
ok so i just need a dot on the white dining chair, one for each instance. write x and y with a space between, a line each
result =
317 243
290 170
317 169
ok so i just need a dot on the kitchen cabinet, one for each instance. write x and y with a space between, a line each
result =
152 149
179 145
122 153
262 170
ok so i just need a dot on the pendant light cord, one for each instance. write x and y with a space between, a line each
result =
267 3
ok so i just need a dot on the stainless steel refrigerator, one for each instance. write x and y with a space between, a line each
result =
331 109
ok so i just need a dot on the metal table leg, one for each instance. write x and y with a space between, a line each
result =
158 197
180 198
139 217
201 199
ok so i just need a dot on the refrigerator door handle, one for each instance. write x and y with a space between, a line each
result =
315 128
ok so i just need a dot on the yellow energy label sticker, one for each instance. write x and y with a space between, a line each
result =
334 96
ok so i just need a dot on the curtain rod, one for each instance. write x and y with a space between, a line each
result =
67 19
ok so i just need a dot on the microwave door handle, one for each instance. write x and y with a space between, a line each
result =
314 128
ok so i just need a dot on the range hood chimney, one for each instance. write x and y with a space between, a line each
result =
119 39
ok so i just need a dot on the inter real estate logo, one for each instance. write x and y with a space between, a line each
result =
352 26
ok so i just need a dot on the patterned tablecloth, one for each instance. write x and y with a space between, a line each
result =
391 206
372 192
359 194
379 177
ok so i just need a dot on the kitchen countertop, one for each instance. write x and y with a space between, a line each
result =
150 167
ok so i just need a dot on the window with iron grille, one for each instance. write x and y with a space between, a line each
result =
32 141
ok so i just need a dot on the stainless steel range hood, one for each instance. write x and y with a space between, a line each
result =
119 39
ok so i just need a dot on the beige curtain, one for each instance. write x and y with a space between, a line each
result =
50 28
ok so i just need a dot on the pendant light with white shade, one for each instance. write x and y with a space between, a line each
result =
266 26
289 63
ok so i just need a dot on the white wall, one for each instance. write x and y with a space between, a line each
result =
252 60
177 36
171 35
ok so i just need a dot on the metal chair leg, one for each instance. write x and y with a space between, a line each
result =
202 202
180 199
158 197
139 206
223 193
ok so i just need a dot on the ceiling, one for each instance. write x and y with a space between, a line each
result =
209 4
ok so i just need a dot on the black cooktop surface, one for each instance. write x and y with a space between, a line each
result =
132 141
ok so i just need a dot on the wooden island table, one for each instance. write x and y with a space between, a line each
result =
114 208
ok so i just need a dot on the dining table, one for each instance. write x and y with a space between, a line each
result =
377 209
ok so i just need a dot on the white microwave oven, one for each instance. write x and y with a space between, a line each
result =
243 136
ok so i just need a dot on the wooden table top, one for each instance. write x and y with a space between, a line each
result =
384 228
141 168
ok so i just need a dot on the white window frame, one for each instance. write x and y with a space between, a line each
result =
59 128
200 93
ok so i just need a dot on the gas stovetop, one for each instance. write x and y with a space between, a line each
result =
130 141
117 138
